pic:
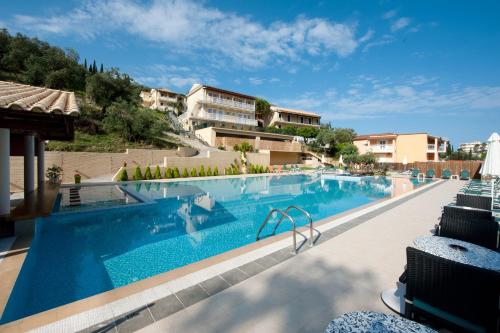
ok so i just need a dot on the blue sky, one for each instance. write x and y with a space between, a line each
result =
375 66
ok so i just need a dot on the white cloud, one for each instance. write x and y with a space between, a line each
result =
400 23
384 98
384 40
389 14
255 80
189 26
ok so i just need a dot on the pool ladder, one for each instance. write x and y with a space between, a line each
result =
285 215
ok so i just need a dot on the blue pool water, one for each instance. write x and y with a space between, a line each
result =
79 254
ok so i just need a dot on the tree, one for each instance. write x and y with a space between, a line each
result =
85 63
94 67
262 109
307 133
344 135
243 147
157 172
102 69
345 149
289 130
106 88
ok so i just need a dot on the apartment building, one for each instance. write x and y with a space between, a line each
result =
476 147
396 148
289 117
214 107
163 99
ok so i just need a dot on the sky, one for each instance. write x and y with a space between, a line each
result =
375 66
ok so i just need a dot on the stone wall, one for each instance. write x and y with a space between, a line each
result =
88 165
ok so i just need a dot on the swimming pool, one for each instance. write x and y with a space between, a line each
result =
78 254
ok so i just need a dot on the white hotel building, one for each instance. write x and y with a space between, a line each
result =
213 107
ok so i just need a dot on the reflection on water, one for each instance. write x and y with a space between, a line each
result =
77 255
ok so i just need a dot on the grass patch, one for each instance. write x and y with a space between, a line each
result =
102 143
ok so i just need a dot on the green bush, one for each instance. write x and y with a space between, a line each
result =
216 171
168 173
261 169
138 173
228 171
251 168
157 172
235 171
123 177
176 173
209 172
268 170
148 174
202 171
185 173
194 173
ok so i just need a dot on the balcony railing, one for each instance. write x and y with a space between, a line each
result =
227 119
382 148
230 103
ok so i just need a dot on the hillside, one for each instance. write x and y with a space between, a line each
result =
111 118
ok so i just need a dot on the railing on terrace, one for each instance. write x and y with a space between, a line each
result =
229 119
382 148
231 103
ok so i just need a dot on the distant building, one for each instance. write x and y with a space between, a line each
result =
396 148
163 100
283 117
214 107
476 147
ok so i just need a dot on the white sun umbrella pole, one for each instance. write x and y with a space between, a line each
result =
491 164
405 162
341 160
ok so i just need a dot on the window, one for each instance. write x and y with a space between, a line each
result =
310 121
301 120
288 118
279 115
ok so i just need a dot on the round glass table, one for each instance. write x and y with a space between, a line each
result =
459 251
366 321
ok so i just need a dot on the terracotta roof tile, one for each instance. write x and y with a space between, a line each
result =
17 96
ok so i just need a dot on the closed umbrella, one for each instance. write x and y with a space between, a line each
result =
491 165
341 160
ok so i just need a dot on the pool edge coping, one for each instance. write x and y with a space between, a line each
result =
171 282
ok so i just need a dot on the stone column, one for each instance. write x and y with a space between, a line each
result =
29 164
40 163
4 171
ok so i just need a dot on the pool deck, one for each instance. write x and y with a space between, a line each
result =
345 273
263 284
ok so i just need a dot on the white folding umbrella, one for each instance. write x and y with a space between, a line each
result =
341 160
491 165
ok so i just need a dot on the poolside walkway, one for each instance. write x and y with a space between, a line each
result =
302 294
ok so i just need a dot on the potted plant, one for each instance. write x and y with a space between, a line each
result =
78 178
54 174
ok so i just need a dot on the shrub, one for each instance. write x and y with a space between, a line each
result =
168 173
202 171
138 173
228 171
221 147
185 173
216 171
123 177
148 174
194 173
157 172
251 169
176 173
209 172
268 170
261 169
235 171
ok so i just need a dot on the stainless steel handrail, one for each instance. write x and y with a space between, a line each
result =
283 216
306 213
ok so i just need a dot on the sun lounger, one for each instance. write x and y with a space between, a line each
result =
446 174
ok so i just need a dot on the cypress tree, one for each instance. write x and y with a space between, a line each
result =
102 68
94 68
85 63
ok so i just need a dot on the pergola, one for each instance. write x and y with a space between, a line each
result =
29 116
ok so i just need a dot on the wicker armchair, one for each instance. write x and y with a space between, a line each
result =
463 296
474 201
480 232
467 213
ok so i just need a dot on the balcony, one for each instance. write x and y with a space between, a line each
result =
229 103
382 148
226 119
